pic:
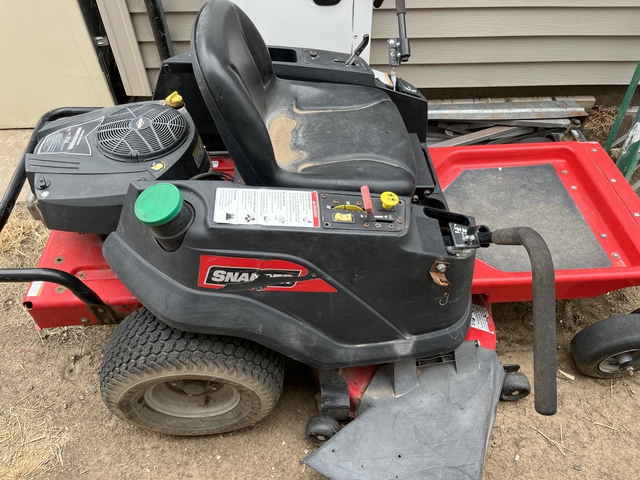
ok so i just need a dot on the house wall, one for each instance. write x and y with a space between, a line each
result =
501 43
469 43
48 61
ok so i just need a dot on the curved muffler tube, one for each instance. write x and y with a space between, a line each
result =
544 312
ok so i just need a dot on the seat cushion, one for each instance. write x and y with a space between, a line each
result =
339 136
284 133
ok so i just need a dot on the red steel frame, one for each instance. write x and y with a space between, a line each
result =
608 204
51 305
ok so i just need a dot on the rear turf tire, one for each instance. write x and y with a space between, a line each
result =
608 348
182 383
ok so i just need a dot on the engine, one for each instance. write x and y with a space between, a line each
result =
82 166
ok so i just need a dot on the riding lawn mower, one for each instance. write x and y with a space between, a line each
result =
284 204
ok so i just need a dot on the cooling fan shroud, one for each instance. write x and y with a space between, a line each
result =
141 133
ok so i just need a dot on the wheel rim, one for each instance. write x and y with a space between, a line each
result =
192 398
627 360
514 395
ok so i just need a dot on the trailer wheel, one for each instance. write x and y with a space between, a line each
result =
608 348
320 429
515 386
182 383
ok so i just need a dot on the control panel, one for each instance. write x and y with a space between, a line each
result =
384 212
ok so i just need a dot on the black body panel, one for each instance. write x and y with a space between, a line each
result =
439 430
385 305
176 75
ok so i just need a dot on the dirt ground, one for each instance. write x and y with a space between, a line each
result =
53 424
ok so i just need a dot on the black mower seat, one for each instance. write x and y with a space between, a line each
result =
293 133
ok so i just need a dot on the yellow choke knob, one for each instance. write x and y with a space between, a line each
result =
389 200
174 100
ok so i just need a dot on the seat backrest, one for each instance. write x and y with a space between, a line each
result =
233 69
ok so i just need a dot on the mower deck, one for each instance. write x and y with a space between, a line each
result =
571 193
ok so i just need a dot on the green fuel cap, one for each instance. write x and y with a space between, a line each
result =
158 204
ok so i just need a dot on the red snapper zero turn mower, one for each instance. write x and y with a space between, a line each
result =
326 234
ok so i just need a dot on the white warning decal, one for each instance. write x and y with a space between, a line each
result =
480 318
282 208
70 140
382 77
199 153
35 289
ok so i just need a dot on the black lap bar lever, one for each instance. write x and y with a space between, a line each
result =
544 310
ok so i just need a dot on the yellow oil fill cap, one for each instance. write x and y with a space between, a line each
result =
174 100
389 200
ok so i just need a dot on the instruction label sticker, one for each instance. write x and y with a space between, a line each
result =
199 153
35 289
70 140
480 318
278 208
383 77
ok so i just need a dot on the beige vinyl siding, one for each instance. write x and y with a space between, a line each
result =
451 51
498 43
509 22
48 61
124 45
179 24
475 43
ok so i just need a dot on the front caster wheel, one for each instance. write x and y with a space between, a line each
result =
181 383
608 348
321 428
515 386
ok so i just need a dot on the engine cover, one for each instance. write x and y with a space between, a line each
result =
82 166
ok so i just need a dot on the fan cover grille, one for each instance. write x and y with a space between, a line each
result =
141 133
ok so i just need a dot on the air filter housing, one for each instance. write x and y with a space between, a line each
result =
82 166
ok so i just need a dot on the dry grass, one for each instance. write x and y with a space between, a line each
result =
599 123
22 239
21 243
30 444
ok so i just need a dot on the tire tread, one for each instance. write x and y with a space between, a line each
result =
604 339
142 344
